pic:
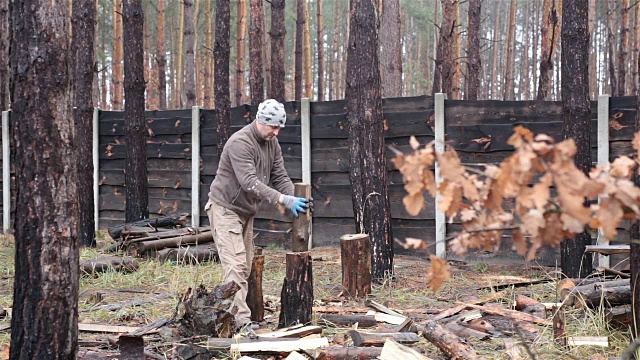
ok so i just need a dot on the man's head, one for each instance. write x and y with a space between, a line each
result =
270 118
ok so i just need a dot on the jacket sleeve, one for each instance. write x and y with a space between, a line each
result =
242 162
279 177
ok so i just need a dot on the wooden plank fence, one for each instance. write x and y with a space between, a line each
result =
182 159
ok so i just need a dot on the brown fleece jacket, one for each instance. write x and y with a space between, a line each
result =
247 166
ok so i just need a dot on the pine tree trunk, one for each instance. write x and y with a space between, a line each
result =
45 289
507 92
536 40
136 182
4 55
623 48
179 55
497 38
148 70
241 31
473 45
189 63
550 23
256 82
308 71
634 256
208 59
576 111
366 137
116 84
593 75
525 92
277 33
636 49
298 49
320 40
447 30
333 72
84 21
455 56
221 53
391 55
266 51
172 100
161 57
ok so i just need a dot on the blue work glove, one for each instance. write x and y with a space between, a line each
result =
294 204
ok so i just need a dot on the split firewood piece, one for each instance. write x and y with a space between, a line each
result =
279 347
516 315
201 312
394 351
189 255
106 263
512 348
588 341
363 321
390 319
523 302
347 353
450 344
255 297
150 327
248 358
162 221
361 338
383 309
298 332
454 310
468 333
407 325
516 284
295 356
107 328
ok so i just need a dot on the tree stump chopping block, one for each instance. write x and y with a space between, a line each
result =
356 265
255 299
297 290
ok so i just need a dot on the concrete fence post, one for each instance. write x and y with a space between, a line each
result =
603 158
441 224
195 166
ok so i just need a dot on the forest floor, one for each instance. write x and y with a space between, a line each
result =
407 290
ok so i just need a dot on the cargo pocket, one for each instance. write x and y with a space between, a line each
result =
237 243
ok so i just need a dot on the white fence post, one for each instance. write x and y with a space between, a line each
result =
96 168
6 174
305 141
603 158
195 166
441 224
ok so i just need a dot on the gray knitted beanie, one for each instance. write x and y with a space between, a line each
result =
271 112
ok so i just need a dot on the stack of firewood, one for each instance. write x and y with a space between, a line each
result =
166 238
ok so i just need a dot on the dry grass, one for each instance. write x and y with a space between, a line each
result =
408 289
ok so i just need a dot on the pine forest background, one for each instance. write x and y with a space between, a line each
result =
506 27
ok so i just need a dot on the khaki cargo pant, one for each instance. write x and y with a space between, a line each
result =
233 236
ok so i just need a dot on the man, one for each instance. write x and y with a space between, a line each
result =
250 161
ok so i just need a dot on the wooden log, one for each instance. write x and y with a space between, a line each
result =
620 316
608 271
537 310
355 251
456 309
207 313
559 328
566 288
361 338
150 327
190 255
162 221
302 223
523 302
347 353
347 320
602 341
394 351
158 235
106 263
255 299
296 332
297 290
450 344
611 296
513 314
140 248
608 249
279 346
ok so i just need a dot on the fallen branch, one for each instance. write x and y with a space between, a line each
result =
450 344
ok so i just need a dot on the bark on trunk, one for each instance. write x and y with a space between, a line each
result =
593 75
308 71
241 30
455 52
391 49
366 137
347 320
320 39
256 82
117 54
611 38
446 47
136 181
496 47
84 22
298 50
524 85
634 256
301 224
507 92
161 57
347 353
356 265
474 62
576 111
221 74
177 94
361 338
277 33
450 344
208 57
164 221
4 54
189 64
45 290
297 290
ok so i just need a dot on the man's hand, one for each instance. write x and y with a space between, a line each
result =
294 204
